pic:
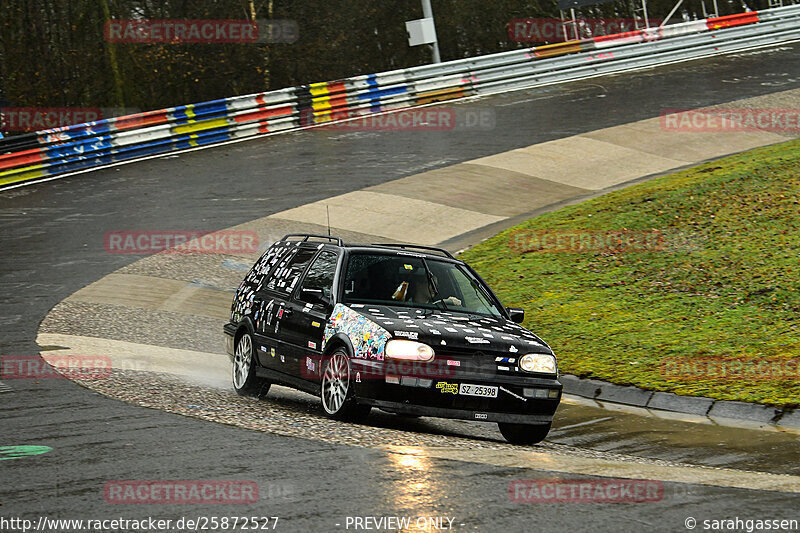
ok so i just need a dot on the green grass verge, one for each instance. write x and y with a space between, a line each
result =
718 291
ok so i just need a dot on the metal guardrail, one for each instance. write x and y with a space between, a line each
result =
47 153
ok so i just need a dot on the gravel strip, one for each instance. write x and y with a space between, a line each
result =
785 101
223 272
135 324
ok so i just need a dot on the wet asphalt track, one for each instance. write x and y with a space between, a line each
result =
52 245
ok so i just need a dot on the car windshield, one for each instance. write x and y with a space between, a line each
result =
414 281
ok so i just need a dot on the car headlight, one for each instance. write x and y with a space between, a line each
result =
408 350
538 362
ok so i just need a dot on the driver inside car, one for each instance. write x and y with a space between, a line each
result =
417 289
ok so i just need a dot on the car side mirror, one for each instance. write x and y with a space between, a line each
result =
314 296
516 314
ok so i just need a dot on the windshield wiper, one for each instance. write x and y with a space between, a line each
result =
432 285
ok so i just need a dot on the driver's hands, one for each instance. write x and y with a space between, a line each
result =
453 300
401 292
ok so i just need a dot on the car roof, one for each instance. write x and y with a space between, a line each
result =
386 248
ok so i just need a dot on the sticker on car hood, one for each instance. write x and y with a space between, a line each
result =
438 327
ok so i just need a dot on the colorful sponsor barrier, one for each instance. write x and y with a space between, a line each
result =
61 150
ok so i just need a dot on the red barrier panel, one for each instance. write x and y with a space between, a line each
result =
617 36
28 157
729 21
140 120
337 87
263 114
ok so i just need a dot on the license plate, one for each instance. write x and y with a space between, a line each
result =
477 390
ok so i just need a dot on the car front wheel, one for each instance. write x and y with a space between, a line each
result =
336 390
245 381
523 433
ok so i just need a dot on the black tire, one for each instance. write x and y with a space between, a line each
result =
523 433
336 392
245 381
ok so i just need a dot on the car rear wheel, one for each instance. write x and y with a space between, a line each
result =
523 433
245 381
336 390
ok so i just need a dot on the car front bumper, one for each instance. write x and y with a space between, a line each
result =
461 414
521 399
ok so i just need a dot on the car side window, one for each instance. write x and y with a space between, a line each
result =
275 257
317 286
285 277
473 296
269 259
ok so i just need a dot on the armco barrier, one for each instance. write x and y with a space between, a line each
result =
47 153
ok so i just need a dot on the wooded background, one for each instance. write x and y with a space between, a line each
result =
53 52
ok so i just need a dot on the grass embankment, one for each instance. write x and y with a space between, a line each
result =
709 285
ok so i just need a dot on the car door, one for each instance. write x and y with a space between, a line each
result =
272 309
312 304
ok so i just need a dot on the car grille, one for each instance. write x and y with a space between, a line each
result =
484 362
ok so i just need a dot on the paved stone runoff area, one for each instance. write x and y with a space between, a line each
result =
290 413
207 368
150 292
481 188
600 467
427 208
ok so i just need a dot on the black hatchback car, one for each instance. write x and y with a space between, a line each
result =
404 328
